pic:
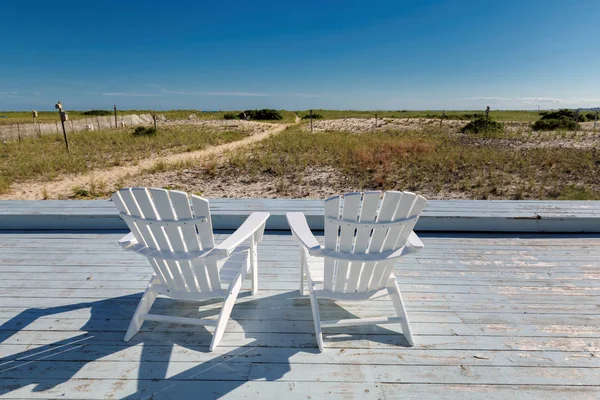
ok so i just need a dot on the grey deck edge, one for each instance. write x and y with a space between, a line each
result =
455 216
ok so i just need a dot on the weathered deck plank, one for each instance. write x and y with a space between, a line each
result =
439 215
503 316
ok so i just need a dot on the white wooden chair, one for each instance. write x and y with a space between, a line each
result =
364 238
175 233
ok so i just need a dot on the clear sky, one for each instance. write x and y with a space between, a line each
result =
426 54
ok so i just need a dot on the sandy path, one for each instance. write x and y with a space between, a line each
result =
63 186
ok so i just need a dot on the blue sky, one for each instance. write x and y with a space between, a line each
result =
297 55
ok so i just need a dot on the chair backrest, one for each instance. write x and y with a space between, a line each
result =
366 223
172 223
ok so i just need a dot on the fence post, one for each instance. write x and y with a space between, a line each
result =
487 118
577 120
311 125
63 117
18 131
116 124
375 120
154 118
442 118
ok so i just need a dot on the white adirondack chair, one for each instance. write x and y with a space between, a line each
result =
175 233
364 238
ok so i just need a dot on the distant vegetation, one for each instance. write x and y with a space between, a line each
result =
230 116
481 125
314 116
561 119
99 113
144 131
265 114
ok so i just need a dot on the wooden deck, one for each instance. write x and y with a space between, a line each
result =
495 317
439 215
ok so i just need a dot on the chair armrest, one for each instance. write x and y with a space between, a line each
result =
414 241
302 232
128 240
254 223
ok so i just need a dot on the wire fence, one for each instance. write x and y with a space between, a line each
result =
20 131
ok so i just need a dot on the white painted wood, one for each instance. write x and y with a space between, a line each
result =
175 234
361 247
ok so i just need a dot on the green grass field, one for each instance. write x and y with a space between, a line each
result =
431 162
45 157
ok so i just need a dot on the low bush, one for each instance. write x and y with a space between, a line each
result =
100 113
591 116
264 114
144 131
554 124
314 116
481 125
230 116
561 119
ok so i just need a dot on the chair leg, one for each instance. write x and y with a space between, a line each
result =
396 296
143 307
314 303
234 290
254 265
302 270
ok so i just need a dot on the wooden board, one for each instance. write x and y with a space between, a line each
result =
439 215
499 317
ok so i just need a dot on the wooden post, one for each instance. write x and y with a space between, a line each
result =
154 118
116 124
18 132
311 125
487 117
442 118
62 121
98 121
577 120
375 120
596 119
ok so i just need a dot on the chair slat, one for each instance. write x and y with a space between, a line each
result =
213 272
365 276
142 198
205 231
164 208
386 214
402 211
135 211
122 207
182 207
350 212
367 214
332 209
416 209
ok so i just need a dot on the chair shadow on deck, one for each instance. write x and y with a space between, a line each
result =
53 364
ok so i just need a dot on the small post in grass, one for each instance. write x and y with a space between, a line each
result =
487 117
442 118
18 131
154 118
311 125
63 118
596 118
34 114
375 120
576 120
116 124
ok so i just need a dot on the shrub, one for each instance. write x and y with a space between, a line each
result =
554 124
264 114
100 113
591 116
561 119
230 116
479 125
314 116
142 130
